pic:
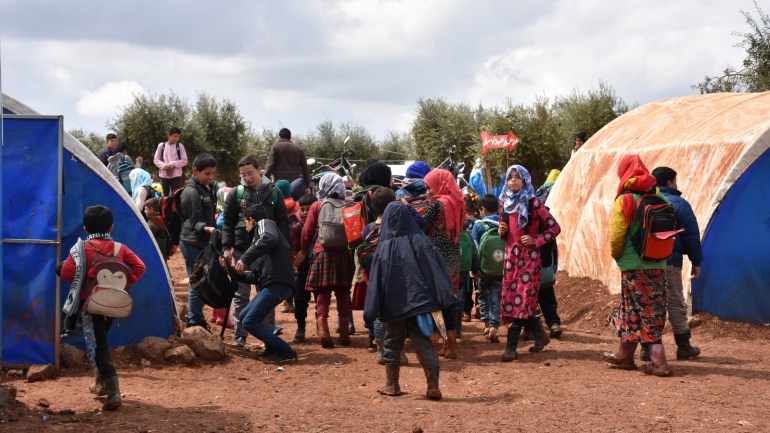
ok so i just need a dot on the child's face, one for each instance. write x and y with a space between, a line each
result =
303 212
149 211
252 176
515 183
174 138
112 143
250 224
206 176
428 191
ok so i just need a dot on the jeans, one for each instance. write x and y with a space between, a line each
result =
546 297
491 289
241 300
95 328
194 304
379 329
252 317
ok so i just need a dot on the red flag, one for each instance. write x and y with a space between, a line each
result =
507 142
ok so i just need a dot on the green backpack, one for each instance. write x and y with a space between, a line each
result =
491 250
466 251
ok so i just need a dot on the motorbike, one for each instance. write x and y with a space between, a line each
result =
456 167
340 165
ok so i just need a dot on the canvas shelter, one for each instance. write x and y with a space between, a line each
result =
48 179
718 144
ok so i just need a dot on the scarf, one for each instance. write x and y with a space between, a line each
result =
331 183
98 236
139 179
376 173
634 177
518 202
445 189
78 253
418 170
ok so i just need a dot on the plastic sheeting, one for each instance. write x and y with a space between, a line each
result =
710 140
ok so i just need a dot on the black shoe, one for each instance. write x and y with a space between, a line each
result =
281 358
203 325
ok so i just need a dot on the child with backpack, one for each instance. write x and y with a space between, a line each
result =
332 267
198 205
141 187
171 159
526 226
492 252
121 165
301 296
98 254
292 208
269 259
468 285
158 229
641 315
408 282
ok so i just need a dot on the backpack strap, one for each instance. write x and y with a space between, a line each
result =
163 151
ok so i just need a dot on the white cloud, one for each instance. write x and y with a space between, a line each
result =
106 100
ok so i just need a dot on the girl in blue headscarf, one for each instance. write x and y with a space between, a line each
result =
141 186
526 225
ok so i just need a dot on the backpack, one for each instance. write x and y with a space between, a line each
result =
547 250
152 193
654 241
549 254
240 190
171 215
212 282
123 169
163 151
331 230
107 292
419 203
365 251
466 251
491 250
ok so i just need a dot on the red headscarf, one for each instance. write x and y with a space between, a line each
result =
445 189
635 177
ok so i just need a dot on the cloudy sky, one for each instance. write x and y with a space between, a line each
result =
298 63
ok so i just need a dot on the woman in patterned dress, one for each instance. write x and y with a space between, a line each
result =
444 219
526 225
642 311
331 270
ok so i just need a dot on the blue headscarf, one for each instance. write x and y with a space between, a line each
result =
417 170
518 202
139 179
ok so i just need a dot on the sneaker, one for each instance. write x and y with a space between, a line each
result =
287 307
555 331
300 334
372 345
281 358
240 341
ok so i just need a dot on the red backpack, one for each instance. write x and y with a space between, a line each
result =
419 203
654 241
355 216
108 290
171 214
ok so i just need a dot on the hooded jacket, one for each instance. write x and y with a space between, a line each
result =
234 228
408 275
269 256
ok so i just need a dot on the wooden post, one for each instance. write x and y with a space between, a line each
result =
490 187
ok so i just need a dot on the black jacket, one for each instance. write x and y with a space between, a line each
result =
234 228
198 206
269 256
104 154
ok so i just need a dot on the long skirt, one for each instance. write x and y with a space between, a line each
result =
641 314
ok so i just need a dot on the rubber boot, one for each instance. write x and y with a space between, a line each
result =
438 347
344 339
624 358
683 348
513 341
391 387
323 332
380 349
431 376
300 334
644 353
658 366
98 387
450 345
538 332
113 394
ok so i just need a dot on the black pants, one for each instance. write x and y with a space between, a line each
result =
169 185
100 357
466 291
301 300
547 300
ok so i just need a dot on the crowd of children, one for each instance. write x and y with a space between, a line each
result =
419 266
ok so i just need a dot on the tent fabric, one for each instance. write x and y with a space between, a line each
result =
87 182
712 141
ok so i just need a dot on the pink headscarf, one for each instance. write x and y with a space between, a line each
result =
445 189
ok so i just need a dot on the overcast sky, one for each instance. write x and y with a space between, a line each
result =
298 63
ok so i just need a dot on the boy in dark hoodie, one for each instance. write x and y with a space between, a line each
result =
408 278
269 259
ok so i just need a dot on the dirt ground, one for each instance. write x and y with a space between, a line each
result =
565 388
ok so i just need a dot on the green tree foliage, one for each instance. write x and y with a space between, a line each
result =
754 74
397 147
440 125
91 140
326 143
208 126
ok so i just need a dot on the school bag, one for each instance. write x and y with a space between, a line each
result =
123 170
654 241
240 191
356 215
365 251
163 151
466 251
107 292
171 215
491 250
331 230
152 193
419 203
212 282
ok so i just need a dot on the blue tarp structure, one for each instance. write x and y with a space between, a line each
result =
30 309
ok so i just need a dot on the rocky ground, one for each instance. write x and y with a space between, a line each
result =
564 388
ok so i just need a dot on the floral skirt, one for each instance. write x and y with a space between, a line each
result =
641 315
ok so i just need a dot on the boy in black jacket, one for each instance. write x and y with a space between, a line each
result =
269 259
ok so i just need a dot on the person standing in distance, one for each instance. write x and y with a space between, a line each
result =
287 160
109 149
171 158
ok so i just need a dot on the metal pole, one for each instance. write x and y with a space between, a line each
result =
2 145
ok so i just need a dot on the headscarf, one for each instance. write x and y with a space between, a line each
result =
418 170
139 179
552 176
445 189
284 186
634 177
376 173
518 202
331 183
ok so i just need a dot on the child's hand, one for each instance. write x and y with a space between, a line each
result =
695 272
503 229
240 267
527 240
299 258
